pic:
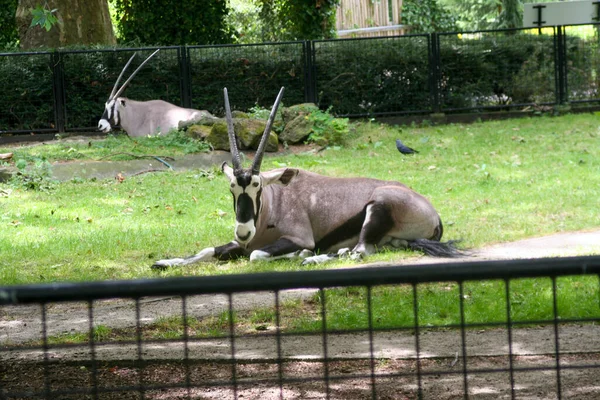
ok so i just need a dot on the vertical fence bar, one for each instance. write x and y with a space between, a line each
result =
46 349
556 339
94 362
565 81
58 89
560 65
139 342
434 71
310 82
232 341
510 339
417 343
186 347
279 347
463 338
371 339
325 345
185 87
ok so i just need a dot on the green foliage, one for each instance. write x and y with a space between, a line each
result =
426 16
43 17
162 22
327 130
245 21
307 19
474 14
297 19
8 27
491 69
511 15
27 96
36 176
374 75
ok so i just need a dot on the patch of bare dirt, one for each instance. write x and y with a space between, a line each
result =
347 379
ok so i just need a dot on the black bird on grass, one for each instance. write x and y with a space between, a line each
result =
404 149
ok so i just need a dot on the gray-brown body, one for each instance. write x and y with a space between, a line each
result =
326 214
143 118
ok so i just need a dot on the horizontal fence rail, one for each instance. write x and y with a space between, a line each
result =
401 332
454 72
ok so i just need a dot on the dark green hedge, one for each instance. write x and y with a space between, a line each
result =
356 77
27 96
371 76
252 74
495 69
8 26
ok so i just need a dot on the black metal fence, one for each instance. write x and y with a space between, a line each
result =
234 336
65 91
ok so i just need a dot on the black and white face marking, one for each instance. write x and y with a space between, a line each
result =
110 117
246 189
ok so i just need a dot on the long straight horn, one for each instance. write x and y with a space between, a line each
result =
112 94
235 153
265 137
132 75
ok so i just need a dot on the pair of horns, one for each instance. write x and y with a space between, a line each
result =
116 93
235 153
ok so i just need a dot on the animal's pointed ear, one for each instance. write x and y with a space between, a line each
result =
279 176
227 170
122 102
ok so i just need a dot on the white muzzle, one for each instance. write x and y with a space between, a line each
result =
104 126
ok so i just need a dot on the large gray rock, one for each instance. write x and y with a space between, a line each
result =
297 130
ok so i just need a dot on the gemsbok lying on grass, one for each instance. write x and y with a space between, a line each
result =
289 212
142 118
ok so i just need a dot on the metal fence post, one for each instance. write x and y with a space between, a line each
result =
58 90
434 72
310 84
560 62
185 87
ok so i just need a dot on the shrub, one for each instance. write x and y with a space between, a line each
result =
327 130
183 22
36 176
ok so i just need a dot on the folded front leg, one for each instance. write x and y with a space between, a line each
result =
225 252
281 248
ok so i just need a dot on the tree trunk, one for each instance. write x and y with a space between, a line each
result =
79 22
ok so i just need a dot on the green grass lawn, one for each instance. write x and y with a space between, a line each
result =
491 182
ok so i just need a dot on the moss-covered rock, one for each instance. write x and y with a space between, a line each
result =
290 113
297 130
198 131
248 131
218 137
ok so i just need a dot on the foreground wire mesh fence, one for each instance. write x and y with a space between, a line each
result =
501 329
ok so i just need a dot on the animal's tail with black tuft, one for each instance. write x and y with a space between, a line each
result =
437 249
